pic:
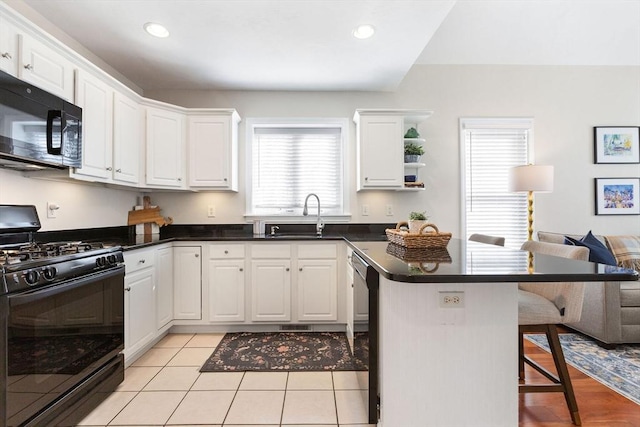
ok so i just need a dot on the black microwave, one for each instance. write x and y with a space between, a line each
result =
37 127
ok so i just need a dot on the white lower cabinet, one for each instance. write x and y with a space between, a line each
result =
317 282
271 290
139 287
226 282
187 279
164 287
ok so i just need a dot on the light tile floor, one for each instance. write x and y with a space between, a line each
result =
164 387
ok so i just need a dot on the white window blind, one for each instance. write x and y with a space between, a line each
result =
289 162
491 148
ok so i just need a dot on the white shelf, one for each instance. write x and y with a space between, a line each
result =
417 140
415 165
411 189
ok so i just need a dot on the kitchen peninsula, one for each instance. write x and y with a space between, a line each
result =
457 365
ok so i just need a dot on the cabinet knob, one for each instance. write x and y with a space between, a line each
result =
142 261
128 289
241 269
179 179
6 55
109 168
226 252
366 178
119 170
225 180
197 255
300 269
287 269
28 67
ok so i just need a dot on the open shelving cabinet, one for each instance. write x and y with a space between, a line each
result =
380 148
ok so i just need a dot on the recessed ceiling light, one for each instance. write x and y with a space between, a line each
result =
156 30
364 31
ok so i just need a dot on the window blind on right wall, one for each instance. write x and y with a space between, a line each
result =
491 147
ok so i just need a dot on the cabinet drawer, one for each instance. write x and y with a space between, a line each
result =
271 251
226 251
137 260
316 251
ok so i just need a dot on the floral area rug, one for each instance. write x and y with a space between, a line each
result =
618 369
282 351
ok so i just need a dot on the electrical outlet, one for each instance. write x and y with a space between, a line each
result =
211 211
52 209
365 210
451 299
389 210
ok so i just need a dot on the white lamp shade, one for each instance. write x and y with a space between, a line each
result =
531 178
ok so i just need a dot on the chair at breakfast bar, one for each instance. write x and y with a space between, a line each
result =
485 238
542 306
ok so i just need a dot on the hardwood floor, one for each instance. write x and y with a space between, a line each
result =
599 405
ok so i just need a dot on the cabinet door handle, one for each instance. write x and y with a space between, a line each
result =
28 67
128 289
142 261
7 55
109 168
119 170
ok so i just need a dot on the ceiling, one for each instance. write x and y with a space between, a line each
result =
308 44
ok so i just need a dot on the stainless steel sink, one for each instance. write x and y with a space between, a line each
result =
294 236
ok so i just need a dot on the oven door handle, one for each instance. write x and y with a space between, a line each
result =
30 296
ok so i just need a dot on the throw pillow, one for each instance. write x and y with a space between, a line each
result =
598 252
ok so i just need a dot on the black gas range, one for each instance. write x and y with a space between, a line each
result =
61 323
31 265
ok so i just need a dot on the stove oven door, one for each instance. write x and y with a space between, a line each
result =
56 337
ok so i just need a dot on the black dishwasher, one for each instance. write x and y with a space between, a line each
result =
365 282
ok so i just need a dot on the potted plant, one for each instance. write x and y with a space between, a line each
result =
416 220
412 152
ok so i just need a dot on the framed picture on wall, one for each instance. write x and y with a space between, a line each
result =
617 196
619 144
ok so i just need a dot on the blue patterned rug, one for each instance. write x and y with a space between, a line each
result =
618 369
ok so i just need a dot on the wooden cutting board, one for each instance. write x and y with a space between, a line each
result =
149 215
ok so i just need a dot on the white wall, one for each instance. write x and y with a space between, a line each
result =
81 205
566 103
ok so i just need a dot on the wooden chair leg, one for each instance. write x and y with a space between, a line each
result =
563 373
520 355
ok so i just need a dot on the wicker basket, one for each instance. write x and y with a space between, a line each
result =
423 239
429 254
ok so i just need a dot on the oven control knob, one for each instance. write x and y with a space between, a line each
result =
31 277
111 259
101 261
49 273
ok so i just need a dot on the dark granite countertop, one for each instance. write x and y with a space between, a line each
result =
460 261
464 261
128 240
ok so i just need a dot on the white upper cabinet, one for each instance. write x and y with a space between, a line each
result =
213 149
165 148
43 66
380 148
8 47
128 142
95 97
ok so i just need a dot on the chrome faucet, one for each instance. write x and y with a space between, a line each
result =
305 212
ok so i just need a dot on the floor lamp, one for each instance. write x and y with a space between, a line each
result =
531 178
